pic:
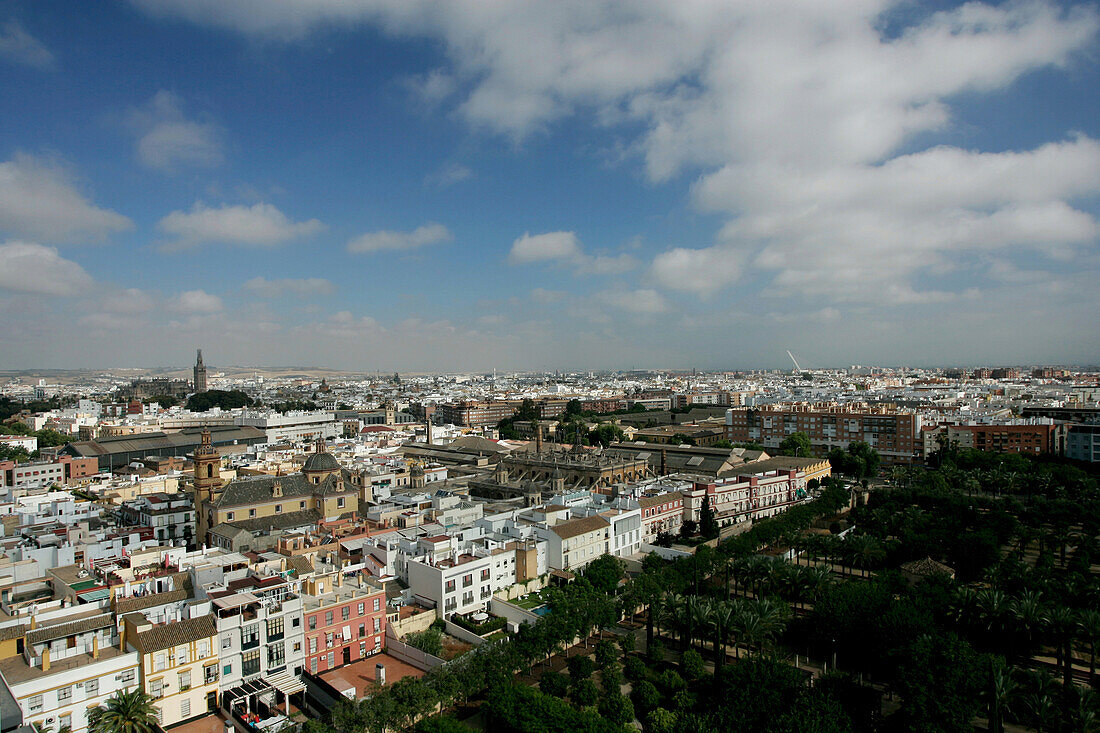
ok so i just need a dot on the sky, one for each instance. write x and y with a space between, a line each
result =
472 185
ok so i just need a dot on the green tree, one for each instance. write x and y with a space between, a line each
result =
429 641
554 683
940 681
646 697
225 400
584 693
442 724
660 720
605 435
708 524
125 712
796 444
605 653
164 400
617 708
581 668
692 664
604 573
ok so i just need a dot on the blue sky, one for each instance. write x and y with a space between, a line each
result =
462 186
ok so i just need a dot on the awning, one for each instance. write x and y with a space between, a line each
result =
286 683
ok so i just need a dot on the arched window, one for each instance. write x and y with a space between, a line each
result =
210 470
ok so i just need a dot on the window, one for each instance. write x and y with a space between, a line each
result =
250 663
313 645
128 676
185 680
377 625
467 580
204 648
182 657
229 516
313 666
340 502
297 646
450 586
210 674
34 703
328 618
156 688
377 604
362 608
91 688
158 662
301 505
250 636
278 508
274 629
362 630
65 721
276 656
64 693
295 622
185 708
227 670
345 613
227 642
312 623
331 660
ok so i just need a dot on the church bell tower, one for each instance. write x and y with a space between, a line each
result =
207 483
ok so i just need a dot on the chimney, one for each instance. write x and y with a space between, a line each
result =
538 437
380 673
95 647
428 432
46 659
122 637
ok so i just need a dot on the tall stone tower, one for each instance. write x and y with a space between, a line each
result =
207 483
200 374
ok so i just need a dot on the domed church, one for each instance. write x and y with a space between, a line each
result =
322 491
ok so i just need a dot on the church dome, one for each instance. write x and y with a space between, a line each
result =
321 463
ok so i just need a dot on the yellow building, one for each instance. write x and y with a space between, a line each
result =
323 488
179 664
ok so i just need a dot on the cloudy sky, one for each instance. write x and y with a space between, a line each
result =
416 185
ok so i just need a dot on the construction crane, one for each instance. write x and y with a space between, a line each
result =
796 367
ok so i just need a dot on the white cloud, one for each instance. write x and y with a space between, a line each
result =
166 138
644 301
129 301
21 47
565 248
702 271
259 225
39 200
449 175
422 236
26 267
792 114
290 286
196 302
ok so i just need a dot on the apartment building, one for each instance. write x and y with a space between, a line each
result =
344 620
172 516
573 543
260 633
661 513
42 474
67 666
895 434
179 664
460 582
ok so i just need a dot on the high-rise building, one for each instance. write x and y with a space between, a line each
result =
200 374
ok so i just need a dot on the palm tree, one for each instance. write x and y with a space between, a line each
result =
1001 689
1089 621
1030 616
1037 705
721 623
1063 626
126 712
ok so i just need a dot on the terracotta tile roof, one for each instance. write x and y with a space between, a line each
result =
124 606
180 632
102 621
577 527
650 501
300 564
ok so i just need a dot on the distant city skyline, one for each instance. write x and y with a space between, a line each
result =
463 186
